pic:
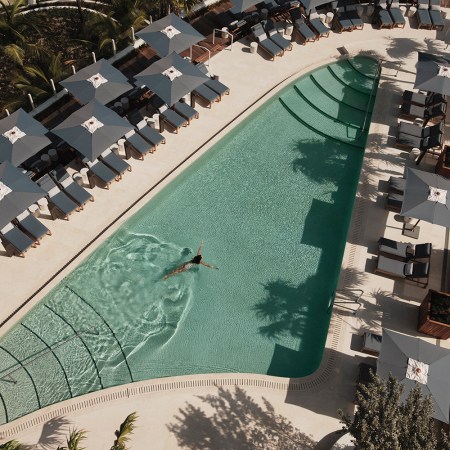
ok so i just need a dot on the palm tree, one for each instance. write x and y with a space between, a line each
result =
74 440
11 445
122 434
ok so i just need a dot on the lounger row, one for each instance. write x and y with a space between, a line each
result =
417 272
309 29
346 18
424 100
429 15
272 43
404 251
411 111
388 15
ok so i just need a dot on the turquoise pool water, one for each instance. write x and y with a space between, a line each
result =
272 201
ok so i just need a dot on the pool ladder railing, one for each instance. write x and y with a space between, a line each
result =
349 296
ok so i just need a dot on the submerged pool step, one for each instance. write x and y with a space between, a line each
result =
329 105
368 67
351 78
339 91
314 119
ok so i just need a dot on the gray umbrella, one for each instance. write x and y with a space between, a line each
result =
412 361
426 197
101 81
170 34
243 5
17 193
21 136
310 4
171 78
92 129
433 74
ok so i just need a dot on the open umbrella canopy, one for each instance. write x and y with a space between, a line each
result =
412 361
92 129
170 34
17 193
101 81
21 136
171 78
310 4
243 5
433 74
427 197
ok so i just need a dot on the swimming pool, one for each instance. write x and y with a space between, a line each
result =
272 200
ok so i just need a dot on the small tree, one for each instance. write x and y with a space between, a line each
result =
383 422
123 433
74 440
11 445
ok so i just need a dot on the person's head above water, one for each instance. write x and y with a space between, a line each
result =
196 259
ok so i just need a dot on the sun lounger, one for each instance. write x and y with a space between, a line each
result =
206 94
265 43
341 21
72 189
436 15
31 226
403 250
114 162
371 343
407 141
304 31
137 145
170 117
150 134
15 241
100 174
186 111
318 26
59 204
411 112
394 202
397 16
382 18
423 16
418 131
217 87
352 14
397 185
275 36
413 271
423 99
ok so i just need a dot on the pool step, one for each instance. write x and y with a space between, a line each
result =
305 113
367 67
352 79
342 93
329 105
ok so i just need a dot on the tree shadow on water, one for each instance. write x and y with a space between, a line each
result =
235 421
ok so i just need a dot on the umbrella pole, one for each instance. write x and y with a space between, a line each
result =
415 225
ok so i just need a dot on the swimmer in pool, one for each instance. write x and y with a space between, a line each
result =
196 260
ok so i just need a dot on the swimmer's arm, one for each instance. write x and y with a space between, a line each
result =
178 270
200 249
209 265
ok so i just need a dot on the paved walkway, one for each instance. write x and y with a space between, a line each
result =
208 411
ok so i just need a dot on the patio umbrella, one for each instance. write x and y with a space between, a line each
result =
170 34
426 197
310 4
92 129
412 361
17 193
21 136
171 78
243 5
101 81
433 74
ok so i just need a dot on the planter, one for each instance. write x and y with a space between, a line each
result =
426 324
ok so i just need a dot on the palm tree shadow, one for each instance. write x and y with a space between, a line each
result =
53 433
234 421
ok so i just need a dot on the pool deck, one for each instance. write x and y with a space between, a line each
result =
310 404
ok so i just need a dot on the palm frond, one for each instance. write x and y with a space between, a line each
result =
14 53
124 432
11 445
75 438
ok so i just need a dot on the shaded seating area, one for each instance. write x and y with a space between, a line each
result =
371 343
408 141
341 21
186 111
114 162
411 112
404 251
319 28
153 137
15 241
265 43
173 119
396 14
136 145
416 272
100 174
397 184
423 15
419 131
436 15
420 99
206 95
32 226
394 202
275 36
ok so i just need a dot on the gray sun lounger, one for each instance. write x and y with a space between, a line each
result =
76 192
418 131
407 141
15 241
186 111
397 16
135 143
150 134
318 26
275 36
341 21
304 31
383 19
114 162
397 184
410 111
100 174
414 271
371 343
265 43
174 120
217 87
423 18
436 18
394 202
32 226
59 204
405 251
206 94
423 99
352 14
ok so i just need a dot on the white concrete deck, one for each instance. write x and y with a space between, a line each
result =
311 405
